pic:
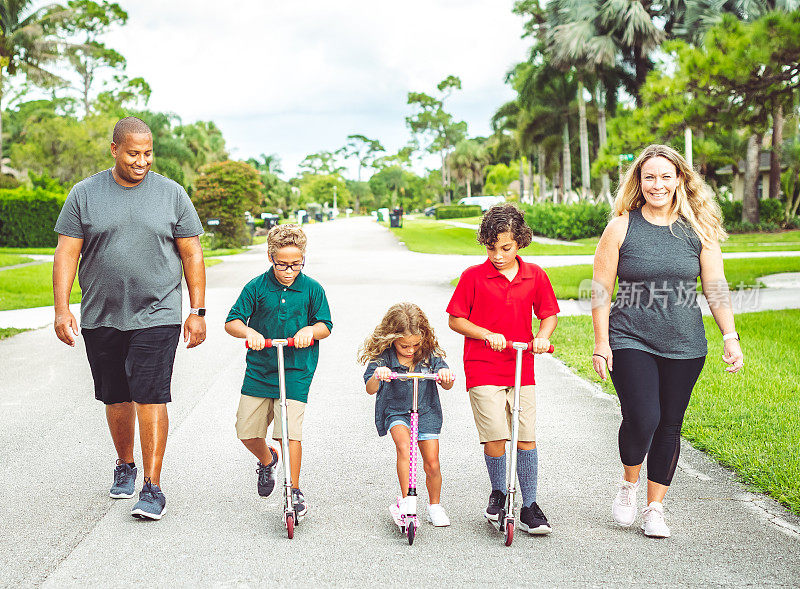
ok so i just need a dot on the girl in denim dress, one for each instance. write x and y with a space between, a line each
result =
404 342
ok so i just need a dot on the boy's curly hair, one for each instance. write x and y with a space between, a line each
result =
401 319
286 235
505 218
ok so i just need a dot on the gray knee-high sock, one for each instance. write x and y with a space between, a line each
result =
497 471
527 472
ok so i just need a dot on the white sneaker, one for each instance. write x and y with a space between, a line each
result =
624 506
654 524
437 515
394 510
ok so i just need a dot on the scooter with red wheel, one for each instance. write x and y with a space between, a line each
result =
290 516
505 520
406 516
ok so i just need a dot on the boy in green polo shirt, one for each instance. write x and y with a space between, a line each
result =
281 303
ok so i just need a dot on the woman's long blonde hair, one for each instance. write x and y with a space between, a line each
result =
401 320
693 201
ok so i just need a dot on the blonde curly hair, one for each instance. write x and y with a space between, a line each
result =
401 320
693 201
284 236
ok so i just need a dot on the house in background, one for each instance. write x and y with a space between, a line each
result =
737 182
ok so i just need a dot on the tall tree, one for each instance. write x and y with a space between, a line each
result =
467 163
437 128
28 43
88 21
364 150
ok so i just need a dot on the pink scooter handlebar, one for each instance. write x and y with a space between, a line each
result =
268 343
510 346
422 375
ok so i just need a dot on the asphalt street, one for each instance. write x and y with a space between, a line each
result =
61 529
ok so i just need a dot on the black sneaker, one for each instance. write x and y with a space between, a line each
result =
151 504
299 502
497 502
266 475
124 481
533 521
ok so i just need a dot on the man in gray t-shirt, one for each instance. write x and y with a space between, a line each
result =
135 232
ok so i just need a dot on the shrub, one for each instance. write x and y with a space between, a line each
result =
567 221
457 211
225 190
771 210
27 217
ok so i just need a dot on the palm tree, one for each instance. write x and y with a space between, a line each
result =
28 42
548 97
467 162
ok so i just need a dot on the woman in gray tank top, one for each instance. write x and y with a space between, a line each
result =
664 234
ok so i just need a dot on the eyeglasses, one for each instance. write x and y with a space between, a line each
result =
295 267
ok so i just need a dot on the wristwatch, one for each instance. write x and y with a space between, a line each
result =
731 335
199 311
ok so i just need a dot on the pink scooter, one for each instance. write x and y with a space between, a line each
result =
505 521
290 518
407 520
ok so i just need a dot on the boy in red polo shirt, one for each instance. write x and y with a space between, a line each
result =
492 303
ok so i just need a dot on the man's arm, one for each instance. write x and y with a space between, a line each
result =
191 253
65 265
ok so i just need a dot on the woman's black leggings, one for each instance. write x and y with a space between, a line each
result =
654 393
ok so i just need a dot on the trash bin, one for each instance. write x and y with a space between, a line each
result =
270 222
395 220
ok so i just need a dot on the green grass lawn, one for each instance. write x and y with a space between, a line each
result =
13 259
28 250
742 272
440 238
31 286
9 331
750 421
763 242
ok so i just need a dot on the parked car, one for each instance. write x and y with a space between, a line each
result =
485 202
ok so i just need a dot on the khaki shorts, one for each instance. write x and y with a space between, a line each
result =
256 413
491 408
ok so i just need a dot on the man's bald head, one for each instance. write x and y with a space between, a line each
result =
129 126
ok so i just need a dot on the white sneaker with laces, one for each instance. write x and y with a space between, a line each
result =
437 515
624 506
394 510
654 524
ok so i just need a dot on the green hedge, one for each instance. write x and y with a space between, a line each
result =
458 211
770 212
567 221
27 217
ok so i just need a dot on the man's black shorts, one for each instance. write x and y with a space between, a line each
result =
133 365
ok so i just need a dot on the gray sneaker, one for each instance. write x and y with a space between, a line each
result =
299 502
124 481
266 475
151 503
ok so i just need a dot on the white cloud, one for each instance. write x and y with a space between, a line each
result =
297 77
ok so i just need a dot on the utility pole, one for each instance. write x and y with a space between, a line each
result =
688 146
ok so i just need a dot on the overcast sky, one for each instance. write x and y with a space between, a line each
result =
294 78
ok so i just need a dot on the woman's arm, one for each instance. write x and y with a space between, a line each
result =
718 296
604 275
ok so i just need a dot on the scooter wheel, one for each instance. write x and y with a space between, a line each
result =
509 533
290 525
412 531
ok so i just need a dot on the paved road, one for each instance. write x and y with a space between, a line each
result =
60 528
